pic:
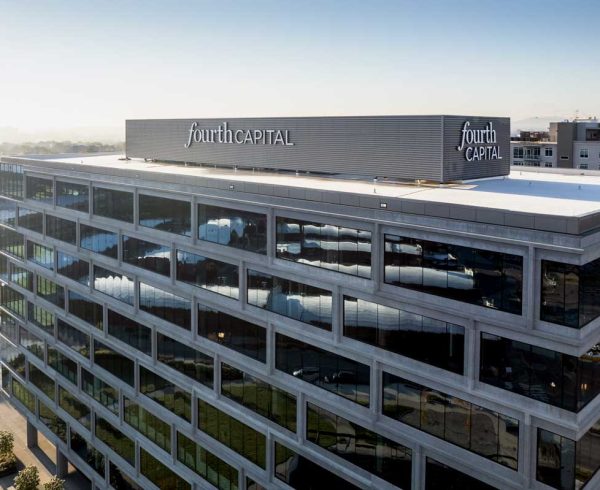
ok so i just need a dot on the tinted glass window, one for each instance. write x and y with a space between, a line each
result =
115 363
484 432
214 275
61 229
99 241
301 302
41 255
166 393
148 255
63 365
129 331
322 368
147 424
23 395
12 300
41 381
21 277
85 309
11 180
118 286
441 477
52 421
8 210
73 196
115 439
327 246
164 214
235 333
74 338
74 407
481 277
185 359
368 450
167 306
50 291
39 189
31 219
87 452
73 267
12 243
113 204
100 391
41 318
159 474
232 227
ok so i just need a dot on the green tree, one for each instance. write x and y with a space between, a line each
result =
27 479
55 483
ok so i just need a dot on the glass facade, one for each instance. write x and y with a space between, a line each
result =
187 360
170 215
263 398
88 311
570 293
147 255
31 219
421 338
117 364
151 426
301 302
41 381
165 305
50 291
129 331
118 286
370 451
61 229
232 332
159 474
40 318
40 255
11 180
73 338
52 421
438 476
234 434
100 241
8 211
73 196
64 366
100 390
12 243
113 204
233 228
471 275
166 393
92 457
12 300
115 439
204 272
21 277
39 189
74 407
545 375
327 370
477 429
332 247
73 268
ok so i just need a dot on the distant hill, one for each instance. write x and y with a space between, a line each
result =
108 134
58 147
534 123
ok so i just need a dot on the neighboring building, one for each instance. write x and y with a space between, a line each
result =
207 313
569 144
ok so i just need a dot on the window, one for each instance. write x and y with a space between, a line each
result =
116 364
52 421
441 477
8 209
542 374
100 391
570 293
583 166
159 474
87 452
99 241
73 196
263 398
232 332
301 302
12 300
21 276
370 451
22 394
168 215
425 339
147 255
113 204
115 439
234 228
39 189
329 371
11 180
129 331
63 365
234 434
471 275
209 466
50 291
41 381
12 243
584 153
73 338
31 219
119 479
74 407
118 286
151 426
167 306
204 272
548 152
166 393
73 267
548 165
32 343
89 311
40 318
564 157
518 152
41 255
185 359
330 247
61 229
301 473
477 429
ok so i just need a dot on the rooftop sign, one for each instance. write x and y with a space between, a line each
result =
479 144
223 134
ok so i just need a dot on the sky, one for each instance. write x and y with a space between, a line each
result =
91 65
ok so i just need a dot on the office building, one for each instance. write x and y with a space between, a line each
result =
353 302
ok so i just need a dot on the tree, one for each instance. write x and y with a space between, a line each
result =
55 483
27 479
7 442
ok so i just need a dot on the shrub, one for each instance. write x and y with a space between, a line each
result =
7 442
55 483
27 479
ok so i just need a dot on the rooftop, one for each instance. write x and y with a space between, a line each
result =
541 192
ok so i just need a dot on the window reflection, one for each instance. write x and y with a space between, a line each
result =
73 338
11 180
113 204
39 189
118 286
330 247
166 393
204 272
12 243
73 267
301 302
64 366
481 277
99 241
61 229
115 439
31 219
164 214
329 371
159 474
87 452
129 331
41 255
441 477
100 391
8 210
147 255
167 306
72 196
116 364
188 361
89 311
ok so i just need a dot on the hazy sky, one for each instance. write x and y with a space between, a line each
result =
95 63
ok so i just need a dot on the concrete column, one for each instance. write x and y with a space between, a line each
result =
32 435
62 464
